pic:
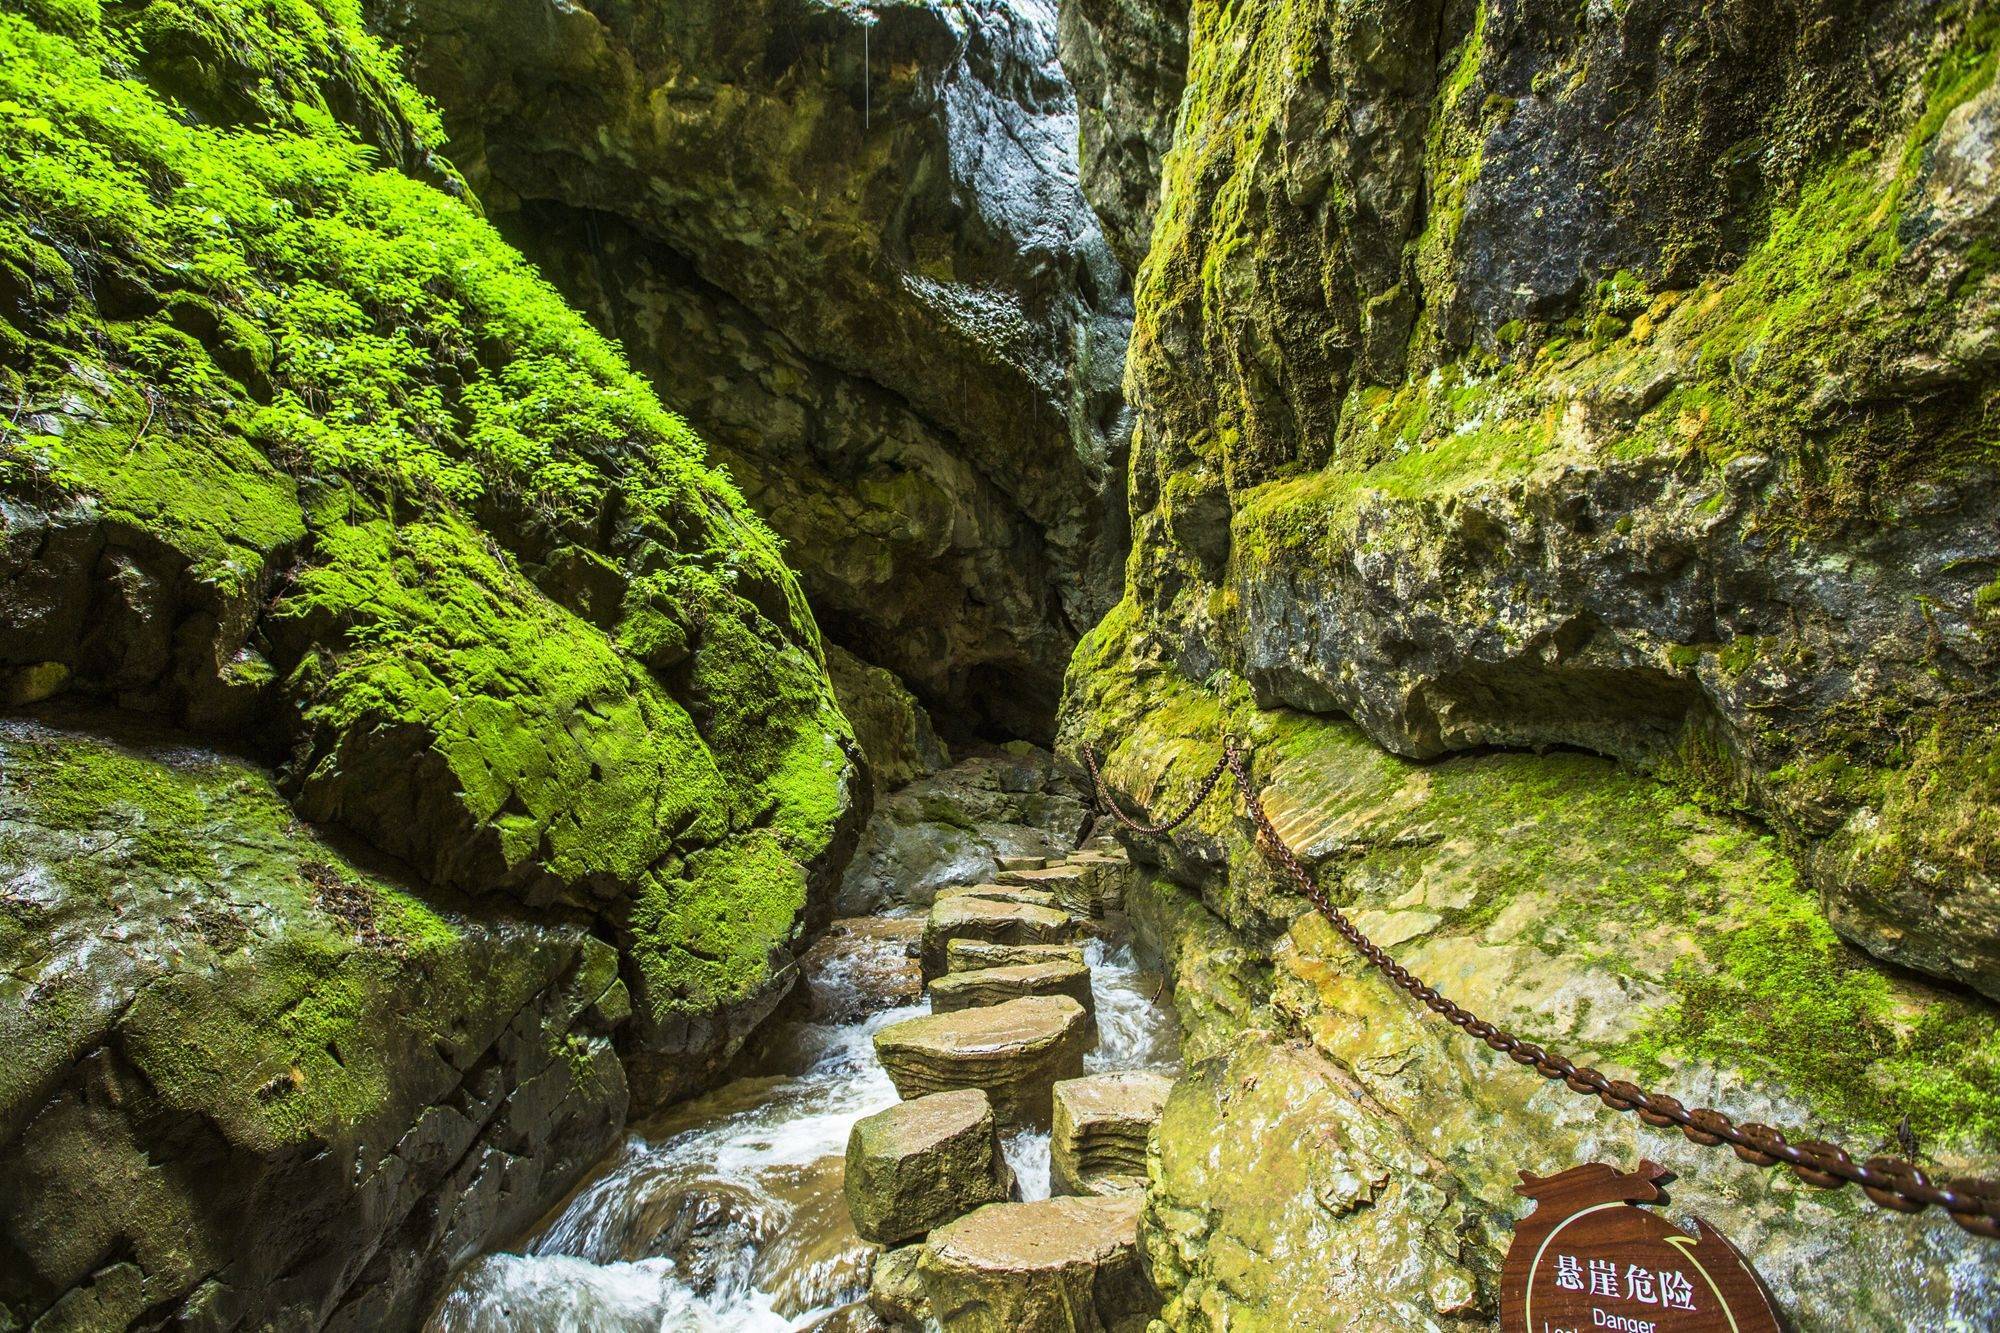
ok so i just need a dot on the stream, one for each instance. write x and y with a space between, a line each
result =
725 1213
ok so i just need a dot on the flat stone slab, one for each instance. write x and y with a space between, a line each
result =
1015 1051
1089 883
973 955
1003 893
1053 1266
1023 862
1098 1133
997 985
997 922
923 1162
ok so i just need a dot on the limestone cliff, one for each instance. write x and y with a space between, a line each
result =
847 241
1518 380
300 456
1617 378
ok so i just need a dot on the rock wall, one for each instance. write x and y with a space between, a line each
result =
1616 378
1563 449
251 1083
848 243
300 456
1335 1155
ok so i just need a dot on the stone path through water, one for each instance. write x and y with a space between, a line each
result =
726 1214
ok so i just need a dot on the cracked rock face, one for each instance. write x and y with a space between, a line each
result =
850 245
250 1079
1612 377
1589 909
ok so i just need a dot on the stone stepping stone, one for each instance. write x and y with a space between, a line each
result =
923 1162
1089 887
1053 1266
997 922
1017 1052
1097 1140
896 1289
997 985
973 955
1023 862
1001 893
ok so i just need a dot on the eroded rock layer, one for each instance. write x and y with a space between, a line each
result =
1327 1116
849 243
1608 376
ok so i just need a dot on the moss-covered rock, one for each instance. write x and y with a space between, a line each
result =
1610 376
848 242
305 453
892 728
1588 908
251 1080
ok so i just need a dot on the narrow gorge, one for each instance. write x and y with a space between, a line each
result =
624 623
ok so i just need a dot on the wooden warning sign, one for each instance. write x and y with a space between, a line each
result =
1589 1259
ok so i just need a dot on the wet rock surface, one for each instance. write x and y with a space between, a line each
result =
861 966
955 827
1015 1052
996 985
1097 1141
896 1291
1128 61
1587 908
252 1075
849 243
1057 1264
963 955
993 920
921 1163
1468 410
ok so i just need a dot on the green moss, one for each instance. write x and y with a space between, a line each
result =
705 939
1626 878
1784 999
282 1016
262 325
1740 358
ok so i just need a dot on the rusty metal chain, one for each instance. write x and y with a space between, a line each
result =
1889 1182
1201 792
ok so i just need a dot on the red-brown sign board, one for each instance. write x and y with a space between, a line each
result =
1589 1259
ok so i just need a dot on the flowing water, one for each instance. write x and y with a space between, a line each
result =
724 1215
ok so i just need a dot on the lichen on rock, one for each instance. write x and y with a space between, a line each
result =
1609 378
1591 909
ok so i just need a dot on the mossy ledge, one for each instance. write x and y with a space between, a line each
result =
1663 428
1587 906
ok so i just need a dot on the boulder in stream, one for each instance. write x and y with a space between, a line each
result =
923 1162
1054 1266
997 985
1097 1141
1016 1051
896 1290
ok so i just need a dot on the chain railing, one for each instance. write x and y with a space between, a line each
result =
1890 1182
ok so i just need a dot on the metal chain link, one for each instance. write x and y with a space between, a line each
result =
1201 794
1889 1182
